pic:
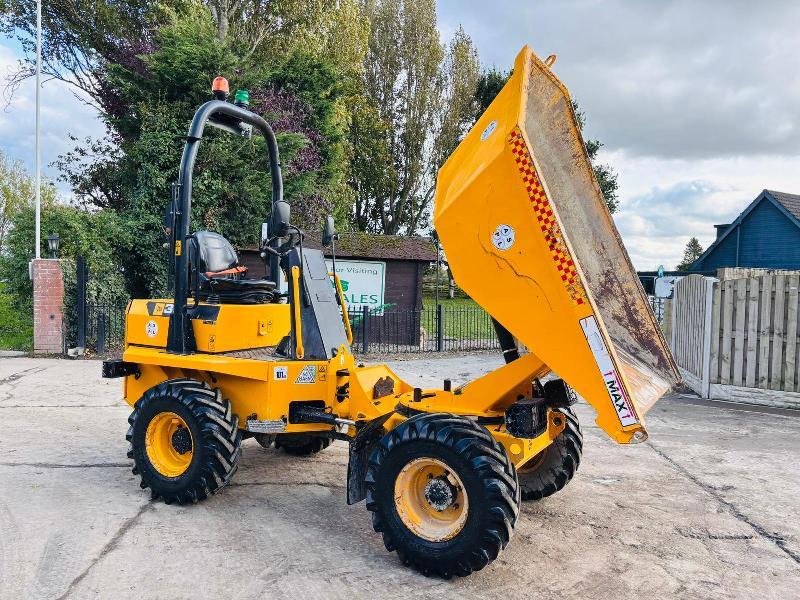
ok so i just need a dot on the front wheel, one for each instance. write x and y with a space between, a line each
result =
184 441
443 493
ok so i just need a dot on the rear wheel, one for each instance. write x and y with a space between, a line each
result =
443 493
554 467
301 444
184 441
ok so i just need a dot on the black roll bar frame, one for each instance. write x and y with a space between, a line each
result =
228 117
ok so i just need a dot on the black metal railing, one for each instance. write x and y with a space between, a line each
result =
386 331
658 306
105 326
438 329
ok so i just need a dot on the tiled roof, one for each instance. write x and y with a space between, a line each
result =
790 202
365 245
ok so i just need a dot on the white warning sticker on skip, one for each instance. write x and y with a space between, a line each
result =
503 237
280 373
605 363
307 375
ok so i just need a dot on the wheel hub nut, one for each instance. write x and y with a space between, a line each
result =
181 440
439 493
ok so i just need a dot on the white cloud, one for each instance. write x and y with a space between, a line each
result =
62 113
673 78
665 202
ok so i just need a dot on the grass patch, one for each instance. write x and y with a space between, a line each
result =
429 302
464 319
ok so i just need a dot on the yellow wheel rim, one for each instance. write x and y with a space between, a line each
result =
169 444
430 499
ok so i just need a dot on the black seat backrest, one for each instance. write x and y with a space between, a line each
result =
216 253
320 315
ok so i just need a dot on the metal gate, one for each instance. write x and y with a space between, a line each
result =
97 323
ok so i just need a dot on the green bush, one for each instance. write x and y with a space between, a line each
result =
96 236
16 323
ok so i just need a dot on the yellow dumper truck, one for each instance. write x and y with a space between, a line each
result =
443 471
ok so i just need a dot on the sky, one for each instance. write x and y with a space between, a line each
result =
697 103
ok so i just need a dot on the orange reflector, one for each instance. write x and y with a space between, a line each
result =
220 85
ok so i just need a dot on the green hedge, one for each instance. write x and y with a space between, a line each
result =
16 323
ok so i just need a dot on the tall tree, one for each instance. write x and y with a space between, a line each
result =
415 94
460 74
147 99
80 37
490 82
691 253
604 173
16 193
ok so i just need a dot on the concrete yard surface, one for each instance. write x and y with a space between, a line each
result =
707 508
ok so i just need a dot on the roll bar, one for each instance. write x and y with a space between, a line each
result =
228 117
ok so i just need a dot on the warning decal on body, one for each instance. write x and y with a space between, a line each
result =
616 392
281 373
307 375
151 329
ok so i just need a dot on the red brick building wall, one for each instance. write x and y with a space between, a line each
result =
48 300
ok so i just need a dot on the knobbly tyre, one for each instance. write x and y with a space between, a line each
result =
443 471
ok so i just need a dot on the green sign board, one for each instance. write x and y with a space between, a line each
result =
363 282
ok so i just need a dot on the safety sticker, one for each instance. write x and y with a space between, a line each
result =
151 329
307 375
503 237
489 130
280 373
616 392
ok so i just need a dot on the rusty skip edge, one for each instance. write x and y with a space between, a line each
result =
558 151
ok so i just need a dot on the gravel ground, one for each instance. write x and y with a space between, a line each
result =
707 508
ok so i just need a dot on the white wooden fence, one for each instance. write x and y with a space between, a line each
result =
691 330
738 339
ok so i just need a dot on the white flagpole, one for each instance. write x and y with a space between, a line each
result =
37 165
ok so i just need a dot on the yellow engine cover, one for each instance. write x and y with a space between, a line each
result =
219 328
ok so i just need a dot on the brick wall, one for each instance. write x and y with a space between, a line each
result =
48 300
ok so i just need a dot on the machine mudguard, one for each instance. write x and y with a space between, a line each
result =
360 449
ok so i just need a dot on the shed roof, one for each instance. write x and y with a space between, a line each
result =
381 247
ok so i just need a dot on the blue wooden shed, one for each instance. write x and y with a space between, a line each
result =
766 235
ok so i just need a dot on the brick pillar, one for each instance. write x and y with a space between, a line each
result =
48 301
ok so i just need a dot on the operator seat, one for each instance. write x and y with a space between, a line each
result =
220 277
